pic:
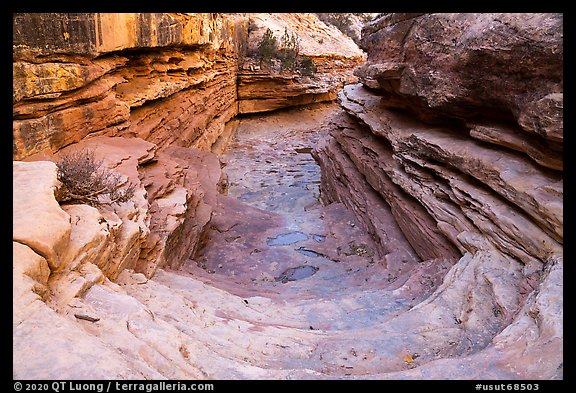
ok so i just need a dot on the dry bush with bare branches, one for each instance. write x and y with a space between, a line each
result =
85 180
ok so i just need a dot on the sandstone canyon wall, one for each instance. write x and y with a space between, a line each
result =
155 97
170 79
134 87
332 53
166 78
455 132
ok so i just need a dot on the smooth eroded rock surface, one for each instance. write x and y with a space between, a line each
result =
37 219
455 131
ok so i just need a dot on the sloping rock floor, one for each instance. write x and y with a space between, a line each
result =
309 293
285 288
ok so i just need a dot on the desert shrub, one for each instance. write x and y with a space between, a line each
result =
306 66
85 180
342 21
289 50
267 47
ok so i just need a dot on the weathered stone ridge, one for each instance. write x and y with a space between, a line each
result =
432 125
417 159
501 74
145 75
437 136
167 78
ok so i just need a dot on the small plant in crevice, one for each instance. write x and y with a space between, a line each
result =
267 48
287 52
85 180
306 66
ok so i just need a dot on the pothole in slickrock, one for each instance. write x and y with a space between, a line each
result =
297 273
307 252
285 239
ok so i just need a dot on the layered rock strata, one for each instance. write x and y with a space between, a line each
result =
171 79
334 55
166 78
451 266
154 96
436 137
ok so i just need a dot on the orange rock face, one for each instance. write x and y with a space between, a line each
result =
262 89
109 74
167 78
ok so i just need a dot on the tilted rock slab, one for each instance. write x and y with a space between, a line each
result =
456 131
480 68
